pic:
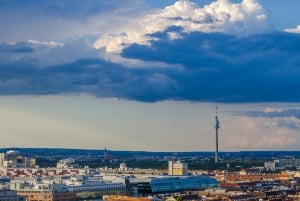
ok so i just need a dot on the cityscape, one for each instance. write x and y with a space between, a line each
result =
149 100
60 174
67 175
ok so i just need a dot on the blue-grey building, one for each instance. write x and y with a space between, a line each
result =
169 184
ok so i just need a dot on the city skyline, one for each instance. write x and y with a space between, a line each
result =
146 75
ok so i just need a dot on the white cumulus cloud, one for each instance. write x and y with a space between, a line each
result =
241 19
293 30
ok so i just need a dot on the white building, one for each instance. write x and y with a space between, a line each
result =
123 167
67 163
13 159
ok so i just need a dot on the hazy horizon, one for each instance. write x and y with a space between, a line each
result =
147 74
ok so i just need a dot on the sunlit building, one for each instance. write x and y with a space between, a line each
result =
177 168
43 192
67 163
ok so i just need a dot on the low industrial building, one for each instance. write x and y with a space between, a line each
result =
93 191
124 198
169 184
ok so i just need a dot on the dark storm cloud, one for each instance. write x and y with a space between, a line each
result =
93 76
218 67
209 67
17 48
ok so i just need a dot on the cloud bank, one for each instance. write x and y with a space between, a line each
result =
285 118
225 52
271 128
248 133
219 67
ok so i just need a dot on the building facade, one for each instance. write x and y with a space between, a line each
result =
169 184
96 191
177 168
13 159
44 192
10 195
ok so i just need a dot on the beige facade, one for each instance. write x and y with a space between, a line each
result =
32 195
44 192
178 168
124 198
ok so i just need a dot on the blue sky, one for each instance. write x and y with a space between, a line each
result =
159 66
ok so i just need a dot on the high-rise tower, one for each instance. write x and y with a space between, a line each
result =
217 126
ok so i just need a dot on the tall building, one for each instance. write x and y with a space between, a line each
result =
177 168
2 159
217 126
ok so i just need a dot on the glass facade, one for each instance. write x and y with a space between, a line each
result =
90 192
173 184
170 184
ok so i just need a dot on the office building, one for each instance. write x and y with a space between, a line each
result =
177 168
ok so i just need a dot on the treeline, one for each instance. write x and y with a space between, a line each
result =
209 164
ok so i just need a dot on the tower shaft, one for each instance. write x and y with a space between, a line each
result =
217 126
217 146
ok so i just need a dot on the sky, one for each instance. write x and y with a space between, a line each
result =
147 74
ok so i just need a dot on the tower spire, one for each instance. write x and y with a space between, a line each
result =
217 126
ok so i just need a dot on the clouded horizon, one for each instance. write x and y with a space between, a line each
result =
151 53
